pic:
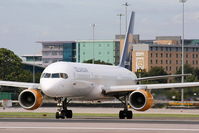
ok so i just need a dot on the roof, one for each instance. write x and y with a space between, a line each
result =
55 42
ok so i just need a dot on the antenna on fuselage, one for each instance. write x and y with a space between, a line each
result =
126 54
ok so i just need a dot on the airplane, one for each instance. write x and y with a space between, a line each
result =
66 81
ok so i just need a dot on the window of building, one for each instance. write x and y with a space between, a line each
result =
193 62
176 68
186 49
166 61
161 62
167 55
166 68
108 45
176 49
161 54
166 49
187 62
156 48
151 61
170 61
169 49
196 55
54 52
156 61
156 54
170 55
108 52
176 55
196 62
176 61
151 48
161 49
187 55
170 68
193 55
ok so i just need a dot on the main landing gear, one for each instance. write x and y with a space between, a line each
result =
125 113
62 111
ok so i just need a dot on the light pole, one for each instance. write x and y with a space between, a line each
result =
126 5
93 27
120 15
182 80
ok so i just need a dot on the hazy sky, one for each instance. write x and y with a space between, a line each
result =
23 22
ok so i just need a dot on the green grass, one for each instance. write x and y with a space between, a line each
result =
52 115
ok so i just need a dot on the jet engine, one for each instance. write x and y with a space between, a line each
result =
140 100
30 99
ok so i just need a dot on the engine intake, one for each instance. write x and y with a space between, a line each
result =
30 99
141 100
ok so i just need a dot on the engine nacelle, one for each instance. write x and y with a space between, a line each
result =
140 100
30 99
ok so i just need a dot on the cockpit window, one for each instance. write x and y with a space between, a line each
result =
46 75
55 75
63 75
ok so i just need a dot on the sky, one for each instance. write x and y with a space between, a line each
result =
24 22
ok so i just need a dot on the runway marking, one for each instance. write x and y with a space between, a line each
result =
101 128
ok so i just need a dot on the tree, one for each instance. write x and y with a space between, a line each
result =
11 67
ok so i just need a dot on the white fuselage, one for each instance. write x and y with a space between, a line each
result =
85 81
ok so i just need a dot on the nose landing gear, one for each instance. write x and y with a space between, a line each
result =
62 111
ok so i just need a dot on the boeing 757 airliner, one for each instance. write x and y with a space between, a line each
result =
66 81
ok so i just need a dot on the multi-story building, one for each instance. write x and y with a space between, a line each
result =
146 56
103 50
80 51
33 59
53 51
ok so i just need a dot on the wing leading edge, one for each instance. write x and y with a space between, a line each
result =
20 84
130 88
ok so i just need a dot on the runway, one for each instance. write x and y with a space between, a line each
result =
97 125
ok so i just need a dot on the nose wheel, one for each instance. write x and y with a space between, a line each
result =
62 111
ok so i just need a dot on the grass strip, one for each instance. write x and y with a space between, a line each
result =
52 115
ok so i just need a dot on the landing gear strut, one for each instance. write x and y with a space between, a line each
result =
62 111
125 113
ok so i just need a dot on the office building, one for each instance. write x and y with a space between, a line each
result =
146 56
80 51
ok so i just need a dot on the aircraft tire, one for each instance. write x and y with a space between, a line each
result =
69 114
121 114
129 115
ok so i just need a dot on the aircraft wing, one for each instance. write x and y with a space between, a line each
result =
162 77
130 88
20 84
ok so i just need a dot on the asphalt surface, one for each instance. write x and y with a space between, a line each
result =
97 125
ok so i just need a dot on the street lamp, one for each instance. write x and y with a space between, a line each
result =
182 80
120 15
93 27
126 5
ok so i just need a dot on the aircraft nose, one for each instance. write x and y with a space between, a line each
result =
48 88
